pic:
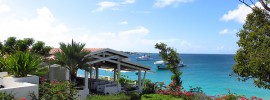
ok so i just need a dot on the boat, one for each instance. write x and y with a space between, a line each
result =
162 65
144 58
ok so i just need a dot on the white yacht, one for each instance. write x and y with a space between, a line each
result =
144 58
162 65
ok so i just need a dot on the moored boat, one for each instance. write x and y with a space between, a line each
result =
144 58
162 65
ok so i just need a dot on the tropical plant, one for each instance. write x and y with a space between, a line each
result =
125 82
22 63
149 87
252 58
6 96
73 57
172 58
2 64
57 90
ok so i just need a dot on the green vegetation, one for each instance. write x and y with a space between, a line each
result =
126 83
159 97
73 57
149 87
57 90
234 96
20 64
252 58
11 45
172 58
6 96
120 96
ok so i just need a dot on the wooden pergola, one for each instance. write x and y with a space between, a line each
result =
106 58
112 59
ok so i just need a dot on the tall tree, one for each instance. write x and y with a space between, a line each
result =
24 44
40 48
73 57
172 58
252 58
1 48
9 45
264 4
27 44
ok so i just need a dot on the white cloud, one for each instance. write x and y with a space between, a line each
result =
4 8
239 14
45 26
222 47
227 31
42 27
106 5
124 23
128 1
164 3
139 31
103 5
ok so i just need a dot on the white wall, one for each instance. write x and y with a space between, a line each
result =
56 72
29 79
20 87
21 90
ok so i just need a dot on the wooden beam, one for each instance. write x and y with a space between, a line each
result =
97 72
101 59
143 79
114 74
139 80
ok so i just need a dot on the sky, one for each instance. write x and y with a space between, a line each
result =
190 26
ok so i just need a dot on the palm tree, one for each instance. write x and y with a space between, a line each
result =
73 57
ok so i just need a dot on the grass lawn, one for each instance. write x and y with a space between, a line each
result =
159 97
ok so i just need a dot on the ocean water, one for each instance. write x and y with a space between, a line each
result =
211 72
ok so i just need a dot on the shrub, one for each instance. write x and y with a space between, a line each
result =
22 63
177 91
57 90
149 87
6 96
234 96
121 96
126 83
195 90
134 95
159 97
2 66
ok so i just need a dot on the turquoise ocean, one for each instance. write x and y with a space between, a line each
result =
211 72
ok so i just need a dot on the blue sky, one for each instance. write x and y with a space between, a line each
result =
190 26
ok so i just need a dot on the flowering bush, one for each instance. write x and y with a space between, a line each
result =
234 96
174 90
57 90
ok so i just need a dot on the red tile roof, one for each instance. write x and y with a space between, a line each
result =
55 50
